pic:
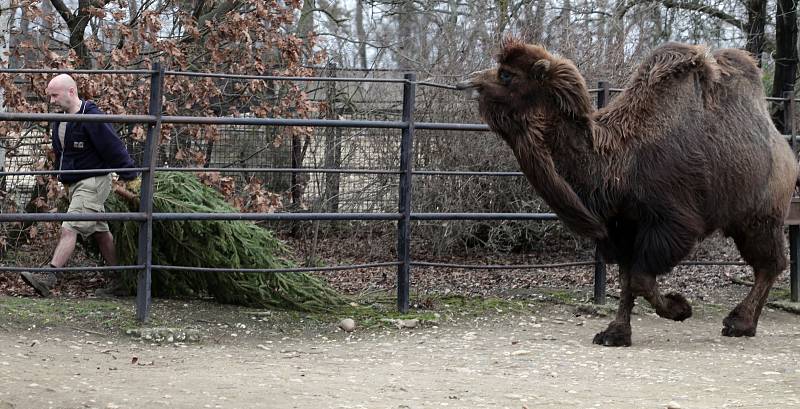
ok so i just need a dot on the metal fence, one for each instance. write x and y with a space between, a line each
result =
152 154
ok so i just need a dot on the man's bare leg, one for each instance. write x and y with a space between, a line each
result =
105 241
65 247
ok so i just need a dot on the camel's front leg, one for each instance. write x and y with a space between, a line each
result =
618 333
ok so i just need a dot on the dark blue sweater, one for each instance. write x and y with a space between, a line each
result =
90 145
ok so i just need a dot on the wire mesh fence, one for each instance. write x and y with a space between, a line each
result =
342 162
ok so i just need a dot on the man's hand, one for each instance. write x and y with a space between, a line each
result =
134 185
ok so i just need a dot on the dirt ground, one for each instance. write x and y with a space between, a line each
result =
530 347
530 355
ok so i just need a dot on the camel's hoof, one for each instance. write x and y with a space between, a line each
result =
733 326
614 336
677 308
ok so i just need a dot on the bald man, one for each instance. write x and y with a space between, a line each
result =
82 146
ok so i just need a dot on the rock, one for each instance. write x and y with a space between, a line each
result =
347 325
673 405
411 323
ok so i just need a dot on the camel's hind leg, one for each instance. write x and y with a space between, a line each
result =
762 246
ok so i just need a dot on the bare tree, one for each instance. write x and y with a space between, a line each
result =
361 35
785 55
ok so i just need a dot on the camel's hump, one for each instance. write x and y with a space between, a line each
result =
672 61
737 62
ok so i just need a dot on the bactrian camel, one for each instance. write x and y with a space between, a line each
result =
687 149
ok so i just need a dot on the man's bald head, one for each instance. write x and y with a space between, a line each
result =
62 81
63 92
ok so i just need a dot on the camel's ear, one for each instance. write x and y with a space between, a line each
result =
540 68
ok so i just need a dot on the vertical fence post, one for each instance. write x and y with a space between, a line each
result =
794 230
599 265
794 250
404 202
145 256
788 118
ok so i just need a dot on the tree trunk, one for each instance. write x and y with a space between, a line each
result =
537 30
77 31
404 37
615 44
76 22
502 17
785 55
756 20
305 25
333 149
361 33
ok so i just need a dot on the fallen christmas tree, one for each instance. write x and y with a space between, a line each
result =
215 243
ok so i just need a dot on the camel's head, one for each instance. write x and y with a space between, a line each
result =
528 81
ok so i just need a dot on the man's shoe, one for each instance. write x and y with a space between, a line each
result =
114 289
41 282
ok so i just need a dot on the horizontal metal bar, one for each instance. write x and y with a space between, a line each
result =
502 267
779 99
712 263
557 265
71 269
11 217
273 270
57 217
276 216
36 117
483 216
446 126
290 170
61 71
464 173
203 120
280 78
332 123
610 90
353 171
70 172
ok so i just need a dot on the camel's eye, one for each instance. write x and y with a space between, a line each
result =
504 77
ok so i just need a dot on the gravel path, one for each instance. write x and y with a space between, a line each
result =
541 360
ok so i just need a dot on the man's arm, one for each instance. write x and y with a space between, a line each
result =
110 148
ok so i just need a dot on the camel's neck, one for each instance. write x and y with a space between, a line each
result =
568 143
555 156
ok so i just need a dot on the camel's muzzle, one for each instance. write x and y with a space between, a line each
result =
471 87
465 85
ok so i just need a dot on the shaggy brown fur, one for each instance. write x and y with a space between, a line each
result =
688 148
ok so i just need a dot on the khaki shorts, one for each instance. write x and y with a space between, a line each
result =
88 196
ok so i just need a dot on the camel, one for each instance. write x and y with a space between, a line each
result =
686 149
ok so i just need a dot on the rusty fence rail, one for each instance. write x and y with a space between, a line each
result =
404 215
